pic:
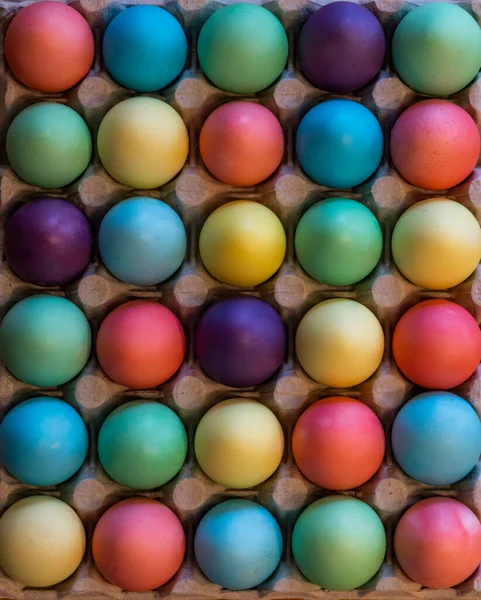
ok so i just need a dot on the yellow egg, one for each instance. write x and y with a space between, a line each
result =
242 243
143 142
436 243
339 343
239 443
42 541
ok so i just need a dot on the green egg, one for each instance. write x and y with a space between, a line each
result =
436 49
45 340
339 543
242 48
49 145
338 241
142 444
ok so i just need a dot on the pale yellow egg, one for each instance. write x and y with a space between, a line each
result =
339 343
239 443
143 142
42 541
436 243
242 243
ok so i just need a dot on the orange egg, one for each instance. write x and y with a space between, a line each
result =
435 144
140 344
242 143
49 46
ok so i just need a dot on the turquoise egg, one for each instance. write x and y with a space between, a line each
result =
144 48
43 441
339 143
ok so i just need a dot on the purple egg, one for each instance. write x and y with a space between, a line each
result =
341 47
48 242
240 342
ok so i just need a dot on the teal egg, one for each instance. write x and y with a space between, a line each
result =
242 48
49 145
339 543
338 241
142 444
436 49
45 340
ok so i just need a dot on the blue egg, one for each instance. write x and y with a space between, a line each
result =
339 143
238 544
142 241
144 48
43 441
436 438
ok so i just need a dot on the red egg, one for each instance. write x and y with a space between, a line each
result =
138 544
435 144
338 443
241 143
49 46
437 344
140 344
438 542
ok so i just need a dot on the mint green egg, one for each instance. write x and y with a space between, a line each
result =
45 340
436 49
339 543
142 444
49 145
338 241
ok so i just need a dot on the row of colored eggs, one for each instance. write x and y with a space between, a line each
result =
338 543
143 143
240 342
243 48
436 243
338 443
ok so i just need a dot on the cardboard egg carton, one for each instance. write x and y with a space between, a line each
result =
195 194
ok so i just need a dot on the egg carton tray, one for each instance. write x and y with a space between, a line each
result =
195 194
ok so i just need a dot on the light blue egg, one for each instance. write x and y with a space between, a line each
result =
142 241
144 48
238 544
43 441
436 438
339 143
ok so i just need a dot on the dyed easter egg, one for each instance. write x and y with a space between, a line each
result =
240 342
48 242
140 344
436 243
48 145
142 444
242 48
336 333
42 541
238 544
242 243
437 344
43 441
338 241
338 443
334 532
438 542
239 443
142 142
144 48
435 144
339 143
49 46
436 48
341 47
241 143
45 340
138 544
436 438
142 241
